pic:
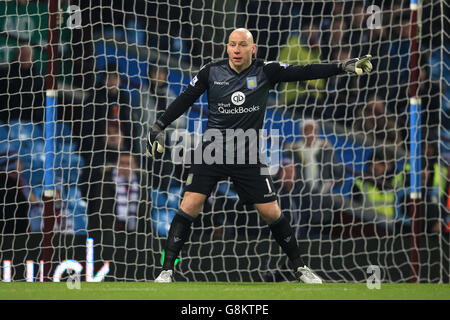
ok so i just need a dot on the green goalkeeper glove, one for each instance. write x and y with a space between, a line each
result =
155 140
357 65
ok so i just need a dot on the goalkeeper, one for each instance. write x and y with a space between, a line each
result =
238 88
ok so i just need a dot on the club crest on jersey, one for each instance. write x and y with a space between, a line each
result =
251 82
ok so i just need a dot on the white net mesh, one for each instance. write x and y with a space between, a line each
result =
344 175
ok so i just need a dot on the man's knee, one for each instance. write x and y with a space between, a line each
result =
192 203
269 212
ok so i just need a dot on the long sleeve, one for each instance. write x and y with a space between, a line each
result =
195 89
281 72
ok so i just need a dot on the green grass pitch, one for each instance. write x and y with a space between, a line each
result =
221 291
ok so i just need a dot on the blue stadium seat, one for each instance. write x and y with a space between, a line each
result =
165 206
68 166
4 147
35 213
35 220
77 207
24 130
38 191
288 129
163 215
8 160
71 192
159 199
38 145
63 134
162 228
161 219
22 135
28 140
225 188
4 132
37 169
80 217
62 130
174 197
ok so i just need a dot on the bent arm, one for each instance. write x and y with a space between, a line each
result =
178 107
186 99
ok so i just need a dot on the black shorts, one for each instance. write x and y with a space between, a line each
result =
252 184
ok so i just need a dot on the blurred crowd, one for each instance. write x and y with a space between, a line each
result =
108 127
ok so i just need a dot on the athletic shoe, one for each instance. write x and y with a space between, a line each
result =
305 275
165 277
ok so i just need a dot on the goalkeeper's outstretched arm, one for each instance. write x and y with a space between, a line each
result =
281 72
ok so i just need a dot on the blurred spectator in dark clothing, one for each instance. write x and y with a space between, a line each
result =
398 64
333 39
430 94
117 214
107 154
433 187
434 175
377 82
156 99
433 170
156 105
375 189
342 91
22 89
112 102
17 197
118 204
158 89
154 102
379 126
160 96
337 11
109 102
275 22
358 32
113 143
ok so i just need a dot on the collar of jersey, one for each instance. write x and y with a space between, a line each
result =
243 71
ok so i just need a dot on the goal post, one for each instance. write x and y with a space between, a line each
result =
415 142
363 160
51 100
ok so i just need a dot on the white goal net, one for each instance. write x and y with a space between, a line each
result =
364 161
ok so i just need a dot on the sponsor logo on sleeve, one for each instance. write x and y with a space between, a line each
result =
194 81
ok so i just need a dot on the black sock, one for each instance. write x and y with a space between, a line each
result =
285 237
178 234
